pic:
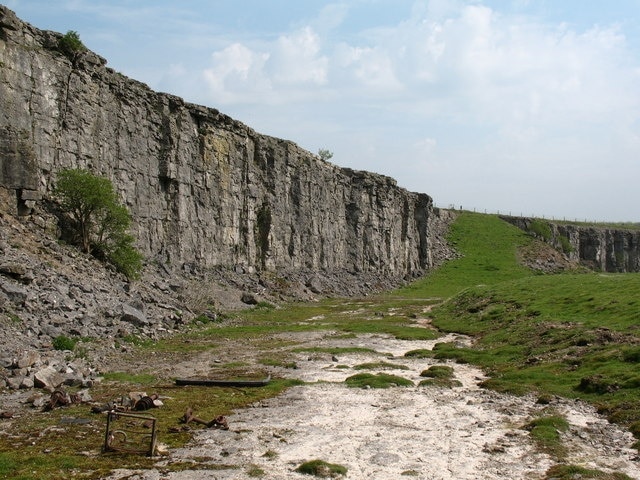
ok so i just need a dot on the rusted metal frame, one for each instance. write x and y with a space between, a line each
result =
110 435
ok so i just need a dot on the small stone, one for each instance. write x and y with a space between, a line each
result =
27 382
249 298
27 359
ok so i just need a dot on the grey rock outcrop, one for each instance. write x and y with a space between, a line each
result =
204 189
597 248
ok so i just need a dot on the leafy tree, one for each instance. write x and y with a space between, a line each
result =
98 222
325 154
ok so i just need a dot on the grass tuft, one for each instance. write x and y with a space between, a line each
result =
546 433
322 469
380 380
572 472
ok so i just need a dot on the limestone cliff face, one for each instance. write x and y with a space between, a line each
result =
601 249
203 188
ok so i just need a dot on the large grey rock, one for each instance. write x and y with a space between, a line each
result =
249 298
134 316
27 382
14 382
15 293
48 378
13 269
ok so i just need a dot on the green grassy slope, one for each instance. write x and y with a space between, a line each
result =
489 247
574 335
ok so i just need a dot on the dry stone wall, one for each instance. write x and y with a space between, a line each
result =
203 189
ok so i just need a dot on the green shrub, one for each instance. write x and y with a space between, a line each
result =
565 244
62 342
96 220
419 353
325 154
71 45
440 382
439 376
571 472
541 229
126 258
545 432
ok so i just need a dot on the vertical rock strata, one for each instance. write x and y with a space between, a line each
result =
203 188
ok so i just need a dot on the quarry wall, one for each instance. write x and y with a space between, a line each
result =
598 248
203 188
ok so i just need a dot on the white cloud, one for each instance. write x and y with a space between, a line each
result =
331 16
236 70
296 59
370 68
472 104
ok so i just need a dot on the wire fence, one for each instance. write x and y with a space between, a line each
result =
511 213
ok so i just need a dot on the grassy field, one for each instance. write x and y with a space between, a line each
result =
571 335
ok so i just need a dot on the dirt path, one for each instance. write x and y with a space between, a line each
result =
415 432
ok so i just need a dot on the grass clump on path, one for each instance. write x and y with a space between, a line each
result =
572 472
379 380
322 469
439 376
546 433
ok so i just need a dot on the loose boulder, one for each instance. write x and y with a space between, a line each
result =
48 378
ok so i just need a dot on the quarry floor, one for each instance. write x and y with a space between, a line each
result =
456 433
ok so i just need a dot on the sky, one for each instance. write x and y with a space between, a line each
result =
522 107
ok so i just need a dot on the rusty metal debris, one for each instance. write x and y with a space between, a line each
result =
135 401
130 433
145 403
60 398
218 422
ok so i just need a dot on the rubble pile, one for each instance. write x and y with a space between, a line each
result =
59 308
65 313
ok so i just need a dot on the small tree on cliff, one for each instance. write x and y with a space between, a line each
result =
325 154
71 45
96 220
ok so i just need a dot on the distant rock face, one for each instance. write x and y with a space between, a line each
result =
203 189
600 249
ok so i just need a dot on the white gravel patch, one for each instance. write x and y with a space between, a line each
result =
404 432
